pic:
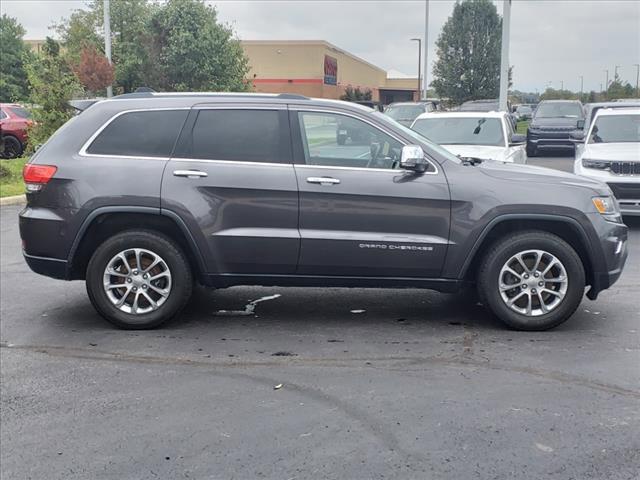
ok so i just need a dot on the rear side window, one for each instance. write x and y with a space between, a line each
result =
240 135
140 134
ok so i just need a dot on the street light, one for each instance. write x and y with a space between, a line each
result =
426 49
581 85
615 76
107 39
419 40
637 78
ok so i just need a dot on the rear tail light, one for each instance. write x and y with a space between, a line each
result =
36 176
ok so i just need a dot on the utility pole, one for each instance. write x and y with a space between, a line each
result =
637 78
504 56
419 40
107 40
615 76
606 82
426 48
561 85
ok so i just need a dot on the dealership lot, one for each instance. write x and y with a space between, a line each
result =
375 384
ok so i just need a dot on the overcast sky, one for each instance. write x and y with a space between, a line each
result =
551 40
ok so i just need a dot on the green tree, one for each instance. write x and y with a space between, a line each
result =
619 90
468 52
52 85
13 81
193 51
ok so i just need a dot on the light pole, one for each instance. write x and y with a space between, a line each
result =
637 78
426 48
107 40
581 85
419 40
504 56
606 81
615 76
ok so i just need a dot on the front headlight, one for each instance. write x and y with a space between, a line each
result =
608 208
597 164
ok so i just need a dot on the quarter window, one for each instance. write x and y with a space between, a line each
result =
338 140
237 135
140 134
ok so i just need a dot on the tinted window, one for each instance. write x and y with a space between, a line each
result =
140 134
242 135
2 115
338 140
461 131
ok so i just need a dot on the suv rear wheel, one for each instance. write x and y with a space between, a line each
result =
138 279
531 280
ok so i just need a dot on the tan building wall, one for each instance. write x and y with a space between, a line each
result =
298 67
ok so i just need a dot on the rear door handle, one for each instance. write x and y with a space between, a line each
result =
323 180
189 173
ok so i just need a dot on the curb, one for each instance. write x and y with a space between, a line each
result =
15 200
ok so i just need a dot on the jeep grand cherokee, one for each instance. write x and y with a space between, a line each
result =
143 194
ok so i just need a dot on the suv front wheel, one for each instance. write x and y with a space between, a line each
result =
138 279
531 280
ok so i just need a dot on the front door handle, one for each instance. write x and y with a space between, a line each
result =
189 173
323 180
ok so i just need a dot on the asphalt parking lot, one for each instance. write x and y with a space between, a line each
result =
417 385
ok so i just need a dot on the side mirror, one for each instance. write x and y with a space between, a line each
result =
577 136
412 158
517 139
580 124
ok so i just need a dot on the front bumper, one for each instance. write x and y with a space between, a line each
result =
550 138
626 188
613 243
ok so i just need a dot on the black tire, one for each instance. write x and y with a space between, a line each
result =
176 261
532 150
11 147
501 251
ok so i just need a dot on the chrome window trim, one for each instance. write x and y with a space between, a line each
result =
302 109
87 144
238 162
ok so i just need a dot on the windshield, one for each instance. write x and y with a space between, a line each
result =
461 131
415 136
479 107
565 110
523 109
404 112
21 112
616 129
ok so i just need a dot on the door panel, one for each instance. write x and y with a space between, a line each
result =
244 213
368 221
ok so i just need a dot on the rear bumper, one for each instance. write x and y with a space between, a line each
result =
50 267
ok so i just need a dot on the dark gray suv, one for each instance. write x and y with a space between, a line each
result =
143 194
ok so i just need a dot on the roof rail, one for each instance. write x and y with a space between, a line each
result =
292 96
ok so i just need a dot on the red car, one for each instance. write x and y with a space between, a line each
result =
14 122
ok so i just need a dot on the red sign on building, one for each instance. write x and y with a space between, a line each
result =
330 70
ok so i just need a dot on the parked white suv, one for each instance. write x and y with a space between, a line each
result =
611 153
482 135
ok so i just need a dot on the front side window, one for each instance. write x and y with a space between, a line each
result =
2 115
616 129
461 131
150 133
338 140
235 135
